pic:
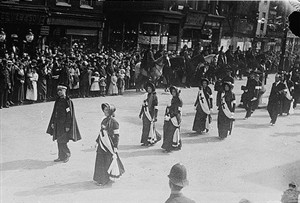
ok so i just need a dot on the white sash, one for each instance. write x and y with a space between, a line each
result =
224 107
152 134
288 93
176 136
104 140
203 102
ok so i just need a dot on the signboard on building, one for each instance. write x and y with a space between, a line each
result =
142 39
164 40
195 20
45 30
154 40
31 19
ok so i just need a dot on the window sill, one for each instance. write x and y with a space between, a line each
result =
86 7
63 4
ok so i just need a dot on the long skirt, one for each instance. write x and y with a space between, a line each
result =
20 93
224 125
103 160
113 89
146 130
200 121
42 89
31 94
286 105
169 130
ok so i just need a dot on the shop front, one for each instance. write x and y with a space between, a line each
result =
136 30
21 26
74 33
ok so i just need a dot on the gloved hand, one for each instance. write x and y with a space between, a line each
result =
167 118
232 115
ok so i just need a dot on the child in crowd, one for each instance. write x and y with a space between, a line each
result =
95 87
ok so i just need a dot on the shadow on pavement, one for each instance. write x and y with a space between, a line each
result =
287 134
57 189
252 125
27 164
143 153
130 147
277 177
201 140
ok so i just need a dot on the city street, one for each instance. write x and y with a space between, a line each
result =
256 162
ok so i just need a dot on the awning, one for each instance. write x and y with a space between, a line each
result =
82 32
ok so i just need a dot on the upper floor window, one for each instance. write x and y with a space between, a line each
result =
63 3
88 4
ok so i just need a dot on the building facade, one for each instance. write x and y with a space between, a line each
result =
163 24
22 22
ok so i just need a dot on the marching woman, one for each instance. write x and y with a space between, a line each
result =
203 106
226 106
172 122
108 163
148 114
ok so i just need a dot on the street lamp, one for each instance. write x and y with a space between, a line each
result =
29 36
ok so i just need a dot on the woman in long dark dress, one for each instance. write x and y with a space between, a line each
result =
172 140
148 114
203 105
108 163
226 106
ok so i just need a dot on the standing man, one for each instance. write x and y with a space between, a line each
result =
274 103
63 126
177 181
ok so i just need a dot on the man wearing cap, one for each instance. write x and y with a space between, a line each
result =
63 126
5 84
177 181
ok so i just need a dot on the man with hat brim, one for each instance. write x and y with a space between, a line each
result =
250 95
177 181
275 98
63 125
172 139
108 164
226 107
148 114
203 106
296 79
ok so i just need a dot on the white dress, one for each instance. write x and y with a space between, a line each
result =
95 85
31 94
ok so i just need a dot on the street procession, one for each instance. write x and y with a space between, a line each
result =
150 101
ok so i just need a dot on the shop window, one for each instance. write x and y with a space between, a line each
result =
88 4
63 3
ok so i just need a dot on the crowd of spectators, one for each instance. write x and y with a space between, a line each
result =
28 79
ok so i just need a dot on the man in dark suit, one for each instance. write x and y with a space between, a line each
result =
276 94
177 181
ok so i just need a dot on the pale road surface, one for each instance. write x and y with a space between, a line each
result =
256 162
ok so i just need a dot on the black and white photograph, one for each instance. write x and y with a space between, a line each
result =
143 101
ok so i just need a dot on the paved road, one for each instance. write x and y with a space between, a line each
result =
256 162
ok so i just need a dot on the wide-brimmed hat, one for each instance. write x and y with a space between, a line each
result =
150 84
178 175
111 108
204 79
62 87
177 90
227 83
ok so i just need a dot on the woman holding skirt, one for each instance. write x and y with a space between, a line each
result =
203 106
148 114
172 140
226 106
108 164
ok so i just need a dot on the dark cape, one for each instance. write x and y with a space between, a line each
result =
73 134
